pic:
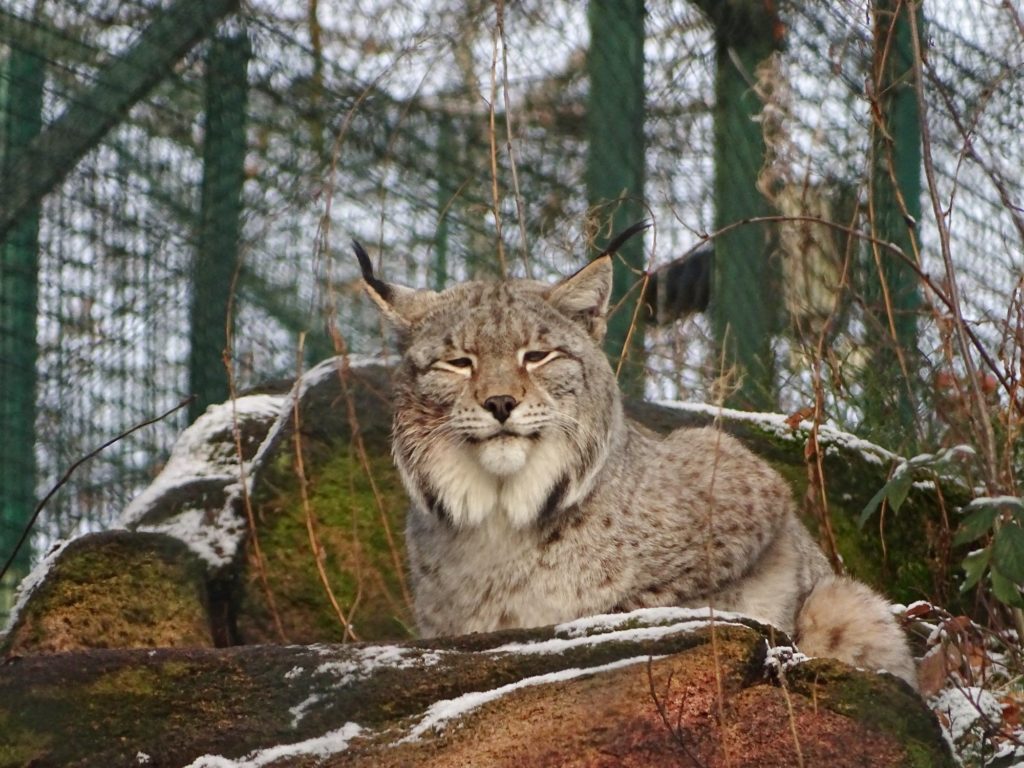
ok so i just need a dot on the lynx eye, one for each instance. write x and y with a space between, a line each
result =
535 357
460 365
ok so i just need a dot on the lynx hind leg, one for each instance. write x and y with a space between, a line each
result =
846 620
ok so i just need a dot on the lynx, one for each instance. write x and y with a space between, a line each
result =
536 501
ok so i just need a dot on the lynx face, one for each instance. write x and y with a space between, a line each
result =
503 383
504 401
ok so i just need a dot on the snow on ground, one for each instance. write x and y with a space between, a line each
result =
965 707
969 680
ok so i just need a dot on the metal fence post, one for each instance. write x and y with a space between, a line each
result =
615 162
446 173
21 108
890 286
220 221
742 314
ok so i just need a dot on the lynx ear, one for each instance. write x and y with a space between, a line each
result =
400 305
584 295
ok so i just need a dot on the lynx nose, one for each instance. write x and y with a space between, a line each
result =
501 406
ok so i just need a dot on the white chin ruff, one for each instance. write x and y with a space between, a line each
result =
503 455
509 477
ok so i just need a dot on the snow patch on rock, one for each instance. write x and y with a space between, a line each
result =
214 536
320 747
780 659
607 628
369 659
205 455
201 451
603 622
779 425
441 712
328 676
31 582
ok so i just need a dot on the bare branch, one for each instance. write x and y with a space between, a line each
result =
71 470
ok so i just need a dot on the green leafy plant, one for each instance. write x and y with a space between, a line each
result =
895 490
996 520
1000 520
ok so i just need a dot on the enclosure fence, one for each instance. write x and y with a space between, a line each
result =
181 181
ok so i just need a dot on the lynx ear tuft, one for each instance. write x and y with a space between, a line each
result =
400 305
620 239
584 296
379 290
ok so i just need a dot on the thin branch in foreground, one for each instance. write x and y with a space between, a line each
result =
492 134
509 148
659 704
228 360
70 471
315 547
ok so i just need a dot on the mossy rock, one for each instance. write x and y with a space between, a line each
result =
327 562
642 689
116 589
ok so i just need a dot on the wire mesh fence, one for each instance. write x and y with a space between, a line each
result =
456 139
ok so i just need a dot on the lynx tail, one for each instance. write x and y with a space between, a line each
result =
844 619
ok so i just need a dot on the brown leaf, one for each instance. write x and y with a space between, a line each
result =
1011 712
958 625
919 609
794 419
932 671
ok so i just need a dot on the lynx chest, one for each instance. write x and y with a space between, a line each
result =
496 576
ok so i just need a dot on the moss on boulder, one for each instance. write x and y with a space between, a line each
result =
328 549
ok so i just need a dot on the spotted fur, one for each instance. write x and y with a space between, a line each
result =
560 507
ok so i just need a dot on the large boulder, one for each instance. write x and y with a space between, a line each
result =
662 687
113 590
